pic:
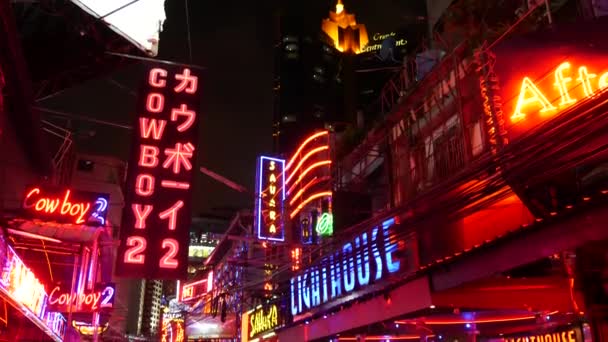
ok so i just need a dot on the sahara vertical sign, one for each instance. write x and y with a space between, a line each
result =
156 217
270 199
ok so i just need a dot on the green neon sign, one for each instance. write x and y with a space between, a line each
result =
325 225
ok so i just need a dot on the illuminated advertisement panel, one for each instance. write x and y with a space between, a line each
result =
261 321
154 235
22 285
368 258
19 283
138 21
173 330
91 301
544 75
66 206
268 219
197 288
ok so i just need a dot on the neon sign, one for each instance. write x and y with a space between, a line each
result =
270 199
368 258
325 225
173 331
560 335
156 217
198 288
22 285
60 300
67 206
264 320
570 84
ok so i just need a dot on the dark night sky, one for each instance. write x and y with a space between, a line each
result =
233 40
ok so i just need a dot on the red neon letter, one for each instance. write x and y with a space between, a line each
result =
188 82
155 103
175 185
148 156
141 214
144 185
134 255
152 127
30 194
155 79
168 260
190 115
178 156
171 213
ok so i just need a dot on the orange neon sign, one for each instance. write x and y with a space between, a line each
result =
572 85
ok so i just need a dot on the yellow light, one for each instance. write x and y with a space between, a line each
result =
561 82
527 86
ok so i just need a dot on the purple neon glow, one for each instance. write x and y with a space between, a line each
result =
259 191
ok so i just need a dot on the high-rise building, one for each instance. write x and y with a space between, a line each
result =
307 82
153 291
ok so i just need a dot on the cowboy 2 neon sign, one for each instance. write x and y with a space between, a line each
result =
66 206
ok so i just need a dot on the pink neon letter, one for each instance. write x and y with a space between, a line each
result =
171 213
134 255
141 214
155 103
152 127
148 156
188 82
144 185
155 79
168 260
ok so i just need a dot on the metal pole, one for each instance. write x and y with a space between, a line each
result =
549 17
92 279
74 272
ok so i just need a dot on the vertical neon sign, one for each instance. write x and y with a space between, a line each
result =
156 217
270 199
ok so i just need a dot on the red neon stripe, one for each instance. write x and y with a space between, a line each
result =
308 200
314 181
309 139
306 156
315 165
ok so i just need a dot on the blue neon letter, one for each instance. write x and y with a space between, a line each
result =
362 267
390 246
376 252
349 267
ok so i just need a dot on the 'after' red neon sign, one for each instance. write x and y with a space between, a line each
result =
565 80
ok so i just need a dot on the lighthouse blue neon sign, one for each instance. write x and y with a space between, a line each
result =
367 258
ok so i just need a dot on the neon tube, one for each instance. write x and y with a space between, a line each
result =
306 156
299 193
309 139
315 165
314 181
308 200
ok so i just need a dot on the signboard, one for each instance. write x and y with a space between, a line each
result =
268 218
66 206
102 298
545 74
173 330
378 38
263 320
22 285
156 218
561 334
198 288
368 258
